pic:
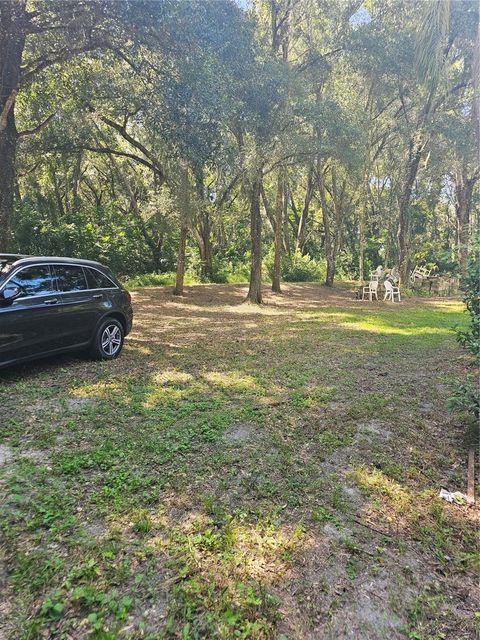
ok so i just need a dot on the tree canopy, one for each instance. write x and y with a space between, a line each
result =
276 139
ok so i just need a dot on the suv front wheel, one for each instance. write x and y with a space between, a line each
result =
108 340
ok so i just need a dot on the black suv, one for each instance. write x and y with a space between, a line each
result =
51 305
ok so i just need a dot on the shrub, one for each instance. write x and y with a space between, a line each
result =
299 268
466 394
157 280
227 270
470 339
295 267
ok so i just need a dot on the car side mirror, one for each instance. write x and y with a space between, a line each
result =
10 292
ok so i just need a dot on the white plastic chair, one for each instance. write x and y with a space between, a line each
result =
391 291
371 289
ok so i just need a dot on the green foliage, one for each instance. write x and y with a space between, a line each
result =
158 280
470 338
100 234
466 396
466 393
225 270
300 268
207 91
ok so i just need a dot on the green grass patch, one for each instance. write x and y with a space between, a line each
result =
184 490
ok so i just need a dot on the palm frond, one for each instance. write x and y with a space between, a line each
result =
431 40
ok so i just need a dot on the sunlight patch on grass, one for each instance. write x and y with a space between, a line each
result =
377 325
422 515
233 549
166 387
172 377
408 322
96 390
228 567
449 306
313 395
231 380
375 482
138 349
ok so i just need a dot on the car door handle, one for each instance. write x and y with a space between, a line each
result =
98 296
51 301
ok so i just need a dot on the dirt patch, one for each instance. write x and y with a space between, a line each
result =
95 529
425 407
332 594
155 615
239 432
368 614
77 404
336 532
354 495
375 429
36 455
6 454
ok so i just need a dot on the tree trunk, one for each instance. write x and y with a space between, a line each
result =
208 258
205 247
277 262
286 230
206 267
255 288
300 244
330 270
476 89
77 171
60 212
336 234
463 204
328 241
12 42
403 231
180 277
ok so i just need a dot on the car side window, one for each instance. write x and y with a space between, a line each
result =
34 281
70 278
97 280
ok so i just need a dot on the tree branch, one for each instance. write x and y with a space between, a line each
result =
138 145
63 56
9 102
38 128
109 151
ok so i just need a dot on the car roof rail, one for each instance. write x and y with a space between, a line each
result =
11 256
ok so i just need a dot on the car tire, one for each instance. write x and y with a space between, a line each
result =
107 342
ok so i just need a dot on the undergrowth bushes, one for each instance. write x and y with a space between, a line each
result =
466 394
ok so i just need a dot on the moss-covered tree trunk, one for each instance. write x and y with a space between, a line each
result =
463 204
302 224
180 275
403 229
255 287
12 42
277 262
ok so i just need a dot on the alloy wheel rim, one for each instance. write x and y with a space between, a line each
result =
111 339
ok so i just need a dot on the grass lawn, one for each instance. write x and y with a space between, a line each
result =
242 473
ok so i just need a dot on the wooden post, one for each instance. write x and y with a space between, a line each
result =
471 477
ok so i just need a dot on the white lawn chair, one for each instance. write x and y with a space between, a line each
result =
391 291
378 274
394 276
421 273
371 289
